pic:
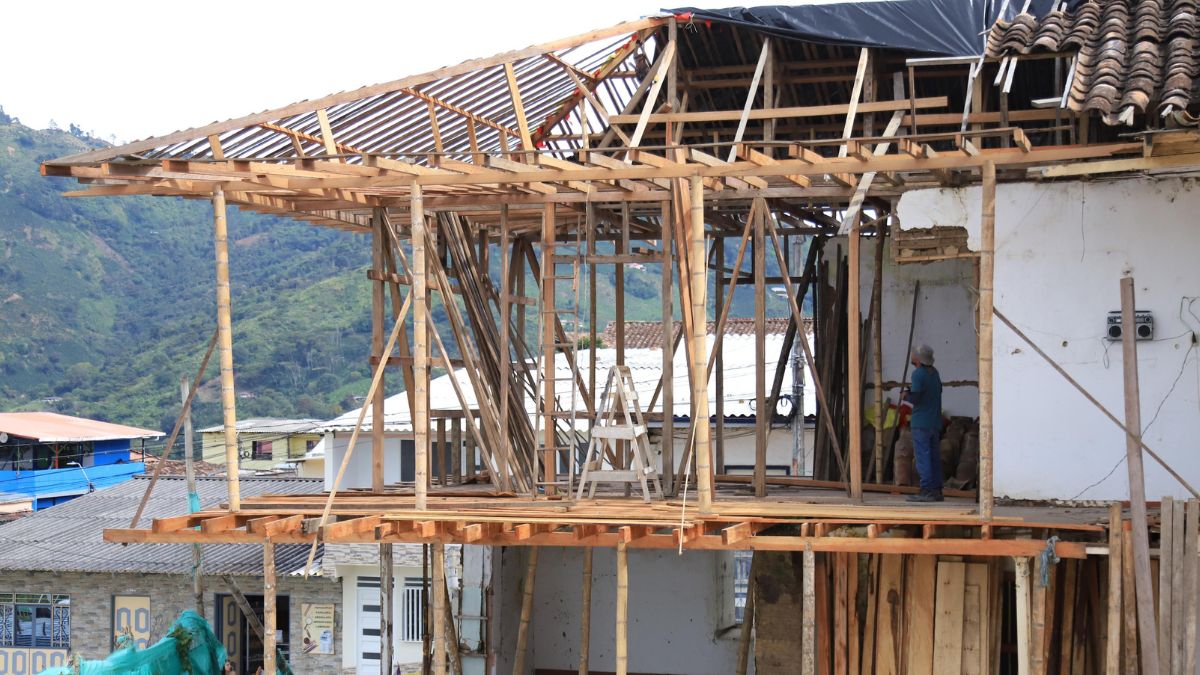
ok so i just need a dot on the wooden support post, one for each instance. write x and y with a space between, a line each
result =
854 361
808 633
549 470
668 364
987 276
420 310
699 291
378 243
456 427
506 256
622 609
438 562
876 351
1112 652
1166 579
225 344
269 608
1024 620
585 636
719 357
762 416
526 611
443 469
386 608
1137 486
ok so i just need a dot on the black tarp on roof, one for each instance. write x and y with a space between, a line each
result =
935 27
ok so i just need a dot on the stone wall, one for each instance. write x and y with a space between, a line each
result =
92 594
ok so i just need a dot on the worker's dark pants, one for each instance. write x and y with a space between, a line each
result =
926 447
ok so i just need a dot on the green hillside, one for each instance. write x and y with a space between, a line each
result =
106 302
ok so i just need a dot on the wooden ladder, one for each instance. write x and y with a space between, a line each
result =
619 419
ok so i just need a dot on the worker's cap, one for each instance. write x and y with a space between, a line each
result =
924 355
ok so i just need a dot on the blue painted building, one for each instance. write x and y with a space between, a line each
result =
50 458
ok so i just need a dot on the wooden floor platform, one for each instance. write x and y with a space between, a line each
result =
791 518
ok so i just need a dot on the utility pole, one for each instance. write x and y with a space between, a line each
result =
193 497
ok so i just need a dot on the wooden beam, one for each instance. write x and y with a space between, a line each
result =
763 417
514 92
440 643
387 587
779 113
622 610
585 637
660 75
763 57
808 630
1137 486
987 280
269 612
378 292
326 132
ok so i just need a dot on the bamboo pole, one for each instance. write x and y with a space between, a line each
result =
987 276
438 562
225 351
526 611
269 608
1137 486
699 292
585 637
386 608
377 329
854 362
420 416
808 633
622 609
185 393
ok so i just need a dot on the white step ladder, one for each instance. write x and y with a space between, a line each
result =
619 419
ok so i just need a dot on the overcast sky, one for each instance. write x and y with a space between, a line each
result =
138 68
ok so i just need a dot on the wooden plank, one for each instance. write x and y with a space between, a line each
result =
514 93
622 611
585 637
808 635
269 611
1024 618
841 613
1112 651
889 631
1166 555
1191 582
854 364
948 617
526 610
387 587
1128 599
763 57
440 643
1137 489
920 592
1179 597
761 420
987 275
418 295
1070 588
664 65
867 662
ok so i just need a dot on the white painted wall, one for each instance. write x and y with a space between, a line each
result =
945 321
1061 249
358 472
675 611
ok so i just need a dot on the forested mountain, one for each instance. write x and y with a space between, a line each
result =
106 302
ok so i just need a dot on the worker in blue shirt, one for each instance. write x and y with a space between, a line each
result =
925 398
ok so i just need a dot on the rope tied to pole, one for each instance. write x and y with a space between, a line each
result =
1047 558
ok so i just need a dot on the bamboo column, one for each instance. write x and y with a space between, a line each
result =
853 362
622 609
549 473
668 372
1137 486
386 608
987 276
698 283
225 343
377 312
762 416
268 608
185 390
438 562
420 413
585 637
526 611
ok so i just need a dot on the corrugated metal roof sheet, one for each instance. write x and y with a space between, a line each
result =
273 425
49 427
70 537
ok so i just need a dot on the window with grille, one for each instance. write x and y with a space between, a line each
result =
412 619
35 620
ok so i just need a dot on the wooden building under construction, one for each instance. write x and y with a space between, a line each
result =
908 170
